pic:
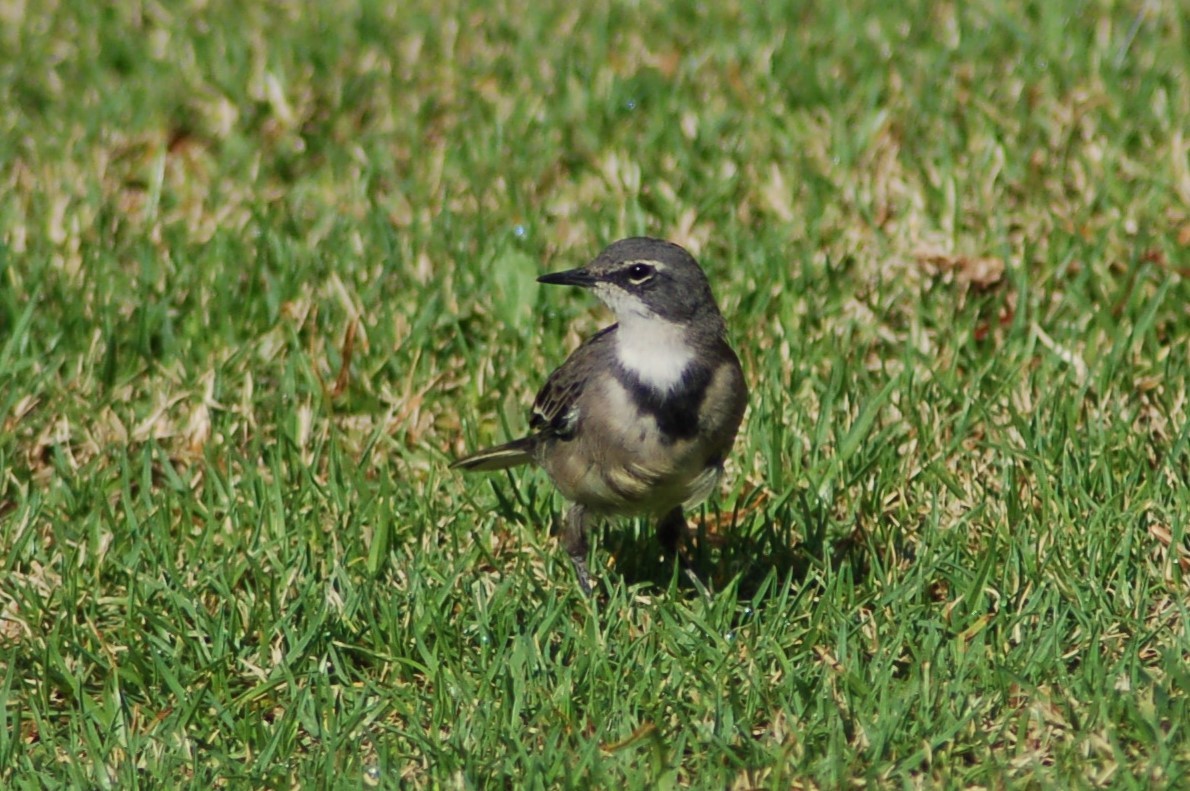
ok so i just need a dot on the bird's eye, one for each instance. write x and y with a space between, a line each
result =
639 273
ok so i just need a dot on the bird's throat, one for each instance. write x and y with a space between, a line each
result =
655 351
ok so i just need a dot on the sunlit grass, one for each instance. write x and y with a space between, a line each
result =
264 271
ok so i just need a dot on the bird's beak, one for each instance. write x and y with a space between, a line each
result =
571 277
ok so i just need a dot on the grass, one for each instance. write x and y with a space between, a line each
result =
264 271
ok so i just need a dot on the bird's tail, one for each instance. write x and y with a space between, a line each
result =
501 457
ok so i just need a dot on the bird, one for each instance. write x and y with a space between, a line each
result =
639 419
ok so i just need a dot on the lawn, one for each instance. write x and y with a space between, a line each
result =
266 269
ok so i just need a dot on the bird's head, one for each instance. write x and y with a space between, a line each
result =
643 279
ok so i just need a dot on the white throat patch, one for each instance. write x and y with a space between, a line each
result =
646 344
655 350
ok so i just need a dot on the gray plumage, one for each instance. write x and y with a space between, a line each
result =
639 419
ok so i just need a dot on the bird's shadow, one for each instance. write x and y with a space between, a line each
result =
760 555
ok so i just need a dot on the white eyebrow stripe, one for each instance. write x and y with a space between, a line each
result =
660 267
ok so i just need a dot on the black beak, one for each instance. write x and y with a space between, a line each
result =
571 277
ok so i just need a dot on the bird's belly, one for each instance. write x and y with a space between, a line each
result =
629 467
632 488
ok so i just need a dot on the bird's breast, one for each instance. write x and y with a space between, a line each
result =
637 451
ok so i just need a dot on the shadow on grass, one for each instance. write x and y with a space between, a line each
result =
782 547
761 555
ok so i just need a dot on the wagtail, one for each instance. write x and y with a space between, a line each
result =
641 416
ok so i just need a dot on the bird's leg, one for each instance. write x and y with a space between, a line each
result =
574 541
672 532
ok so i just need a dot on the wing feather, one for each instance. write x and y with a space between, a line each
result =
555 410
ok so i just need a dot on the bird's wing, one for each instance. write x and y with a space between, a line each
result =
555 410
